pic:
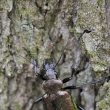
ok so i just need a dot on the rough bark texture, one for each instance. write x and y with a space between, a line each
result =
49 28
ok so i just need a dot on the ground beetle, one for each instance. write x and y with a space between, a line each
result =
56 98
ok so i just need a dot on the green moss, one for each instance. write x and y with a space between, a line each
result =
24 9
1 108
98 67
21 61
72 30
100 3
5 101
102 104
68 16
2 4
5 87
80 21
17 105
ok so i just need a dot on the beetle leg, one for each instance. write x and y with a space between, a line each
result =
80 108
35 70
85 31
35 65
69 78
74 71
38 100
89 83
44 62
66 79
71 87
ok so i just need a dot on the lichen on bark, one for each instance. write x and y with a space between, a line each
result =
49 29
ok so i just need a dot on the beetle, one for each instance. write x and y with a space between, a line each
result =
56 98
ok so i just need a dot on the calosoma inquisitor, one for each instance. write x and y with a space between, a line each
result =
56 98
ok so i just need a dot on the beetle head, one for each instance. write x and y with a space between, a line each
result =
48 65
49 69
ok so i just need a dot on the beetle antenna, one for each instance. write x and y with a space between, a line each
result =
85 31
35 65
28 52
24 58
59 60
27 60
29 55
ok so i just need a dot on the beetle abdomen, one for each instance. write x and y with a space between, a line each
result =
59 101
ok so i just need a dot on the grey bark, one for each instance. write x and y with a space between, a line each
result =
50 28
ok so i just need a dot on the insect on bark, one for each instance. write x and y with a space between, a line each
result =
56 98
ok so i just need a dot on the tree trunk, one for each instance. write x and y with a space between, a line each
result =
49 29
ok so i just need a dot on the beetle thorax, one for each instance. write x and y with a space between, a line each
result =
52 86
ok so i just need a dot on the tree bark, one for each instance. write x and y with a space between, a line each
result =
49 29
